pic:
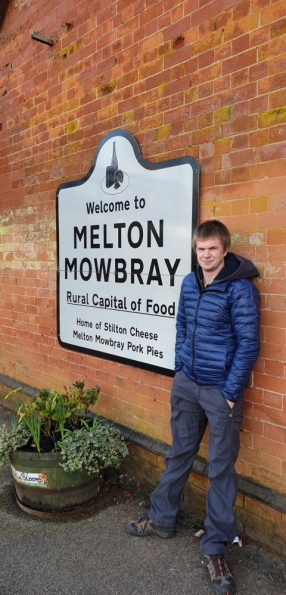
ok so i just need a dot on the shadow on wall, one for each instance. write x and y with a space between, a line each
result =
3 9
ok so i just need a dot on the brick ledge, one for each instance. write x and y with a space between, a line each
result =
247 487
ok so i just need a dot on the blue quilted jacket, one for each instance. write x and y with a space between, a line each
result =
217 340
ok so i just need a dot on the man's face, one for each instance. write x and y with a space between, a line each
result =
210 255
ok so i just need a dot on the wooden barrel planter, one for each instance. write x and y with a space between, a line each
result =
42 485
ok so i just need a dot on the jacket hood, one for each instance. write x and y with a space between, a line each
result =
235 267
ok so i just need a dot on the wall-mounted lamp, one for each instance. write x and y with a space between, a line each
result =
35 35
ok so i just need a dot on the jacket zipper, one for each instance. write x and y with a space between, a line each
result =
195 326
193 338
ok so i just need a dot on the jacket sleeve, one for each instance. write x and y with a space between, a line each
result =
181 329
245 317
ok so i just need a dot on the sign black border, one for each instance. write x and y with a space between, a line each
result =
195 209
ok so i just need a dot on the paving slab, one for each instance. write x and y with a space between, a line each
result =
93 555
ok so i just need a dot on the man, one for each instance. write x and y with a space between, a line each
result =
217 344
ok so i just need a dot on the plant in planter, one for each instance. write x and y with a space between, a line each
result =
56 444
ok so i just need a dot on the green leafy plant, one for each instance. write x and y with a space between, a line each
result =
62 421
54 410
92 448
31 423
12 439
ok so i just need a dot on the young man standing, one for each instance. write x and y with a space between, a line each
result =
217 344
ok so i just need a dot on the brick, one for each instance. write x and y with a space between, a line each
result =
274 337
205 105
275 302
246 439
275 368
241 9
190 79
257 105
222 177
178 28
163 132
274 433
240 44
239 174
240 142
151 96
258 71
272 83
276 135
262 510
270 220
151 42
206 12
206 59
250 455
176 114
259 204
271 448
178 57
209 41
243 93
239 158
240 78
238 222
206 74
270 13
271 463
275 151
259 36
278 28
276 168
175 86
205 90
241 26
177 129
222 145
277 99
177 12
150 13
240 207
206 120
253 426
273 186
223 84
223 52
206 150
273 48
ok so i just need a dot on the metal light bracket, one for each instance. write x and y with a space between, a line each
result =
35 35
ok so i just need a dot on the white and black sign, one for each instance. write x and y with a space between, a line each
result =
124 245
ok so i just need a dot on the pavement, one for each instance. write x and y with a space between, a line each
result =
91 554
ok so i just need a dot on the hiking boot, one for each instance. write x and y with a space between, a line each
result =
144 526
221 578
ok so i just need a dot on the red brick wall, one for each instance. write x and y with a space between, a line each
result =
185 77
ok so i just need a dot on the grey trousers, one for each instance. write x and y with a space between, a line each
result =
192 407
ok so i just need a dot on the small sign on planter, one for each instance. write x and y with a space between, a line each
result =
124 245
39 480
